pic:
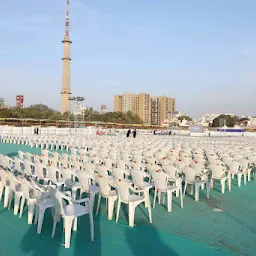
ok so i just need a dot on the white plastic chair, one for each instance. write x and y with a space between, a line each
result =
161 180
14 188
44 201
106 192
69 213
219 173
193 180
234 169
132 200
29 196
85 181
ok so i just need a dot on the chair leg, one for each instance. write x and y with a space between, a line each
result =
239 177
248 171
185 188
118 209
181 197
23 199
196 192
111 203
41 211
229 182
106 203
222 182
1 191
68 226
91 225
131 214
31 207
75 224
54 225
146 194
178 183
159 197
6 196
149 209
208 187
154 203
16 204
98 205
169 201
10 200
163 199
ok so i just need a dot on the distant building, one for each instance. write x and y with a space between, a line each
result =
145 108
103 109
117 103
150 109
154 110
127 102
165 105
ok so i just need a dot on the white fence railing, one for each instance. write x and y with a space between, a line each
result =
81 131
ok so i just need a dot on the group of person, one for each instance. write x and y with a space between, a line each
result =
134 133
36 131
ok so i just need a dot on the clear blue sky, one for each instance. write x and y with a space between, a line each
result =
203 52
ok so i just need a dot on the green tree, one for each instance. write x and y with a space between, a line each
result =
40 111
230 121
184 117
2 102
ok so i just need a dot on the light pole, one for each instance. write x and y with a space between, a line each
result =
75 109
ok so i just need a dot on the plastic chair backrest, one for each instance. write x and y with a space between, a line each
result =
57 200
84 180
103 185
190 174
118 173
138 177
160 179
123 190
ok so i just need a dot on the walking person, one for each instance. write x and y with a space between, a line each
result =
134 133
128 133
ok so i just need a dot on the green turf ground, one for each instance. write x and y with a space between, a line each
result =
194 230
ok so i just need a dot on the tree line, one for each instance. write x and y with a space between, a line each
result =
40 111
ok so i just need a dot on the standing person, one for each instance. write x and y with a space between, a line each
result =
128 133
134 133
37 131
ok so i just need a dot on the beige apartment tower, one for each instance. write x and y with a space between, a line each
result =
66 91
117 103
145 108
165 105
150 109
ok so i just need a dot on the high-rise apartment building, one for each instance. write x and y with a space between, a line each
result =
151 110
117 103
154 110
135 105
145 108
165 105
127 102
162 109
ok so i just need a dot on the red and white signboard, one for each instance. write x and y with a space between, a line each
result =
20 101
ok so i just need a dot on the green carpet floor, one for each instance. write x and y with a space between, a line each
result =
194 230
